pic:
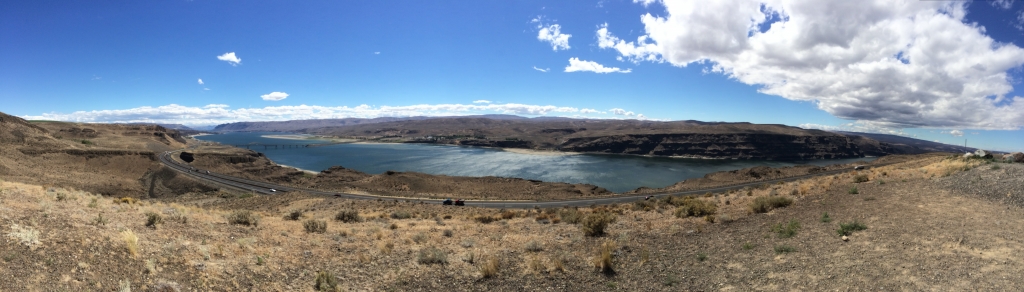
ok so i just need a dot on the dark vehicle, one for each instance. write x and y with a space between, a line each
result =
460 202
647 198
446 202
858 167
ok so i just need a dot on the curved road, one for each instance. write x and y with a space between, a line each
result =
265 188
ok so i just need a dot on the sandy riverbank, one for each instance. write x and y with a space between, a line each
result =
539 152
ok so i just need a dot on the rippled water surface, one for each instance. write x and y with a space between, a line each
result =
617 173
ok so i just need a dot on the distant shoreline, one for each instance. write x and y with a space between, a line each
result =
310 137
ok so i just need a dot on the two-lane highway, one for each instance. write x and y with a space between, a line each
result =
270 188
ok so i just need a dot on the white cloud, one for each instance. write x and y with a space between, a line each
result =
220 113
576 65
645 2
274 96
230 58
859 126
541 70
895 63
553 34
376 53
621 112
1003 4
482 101
590 111
955 133
201 81
204 88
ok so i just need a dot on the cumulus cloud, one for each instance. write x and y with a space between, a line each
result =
621 112
541 70
955 133
893 63
230 58
553 35
220 113
859 126
577 65
274 96
481 101
376 53
590 111
201 81
1003 4
645 2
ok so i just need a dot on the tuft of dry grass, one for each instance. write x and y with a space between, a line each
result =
489 267
595 223
348 216
431 256
131 242
690 206
604 261
245 217
325 281
765 204
534 246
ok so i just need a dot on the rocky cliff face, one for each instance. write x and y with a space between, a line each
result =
737 146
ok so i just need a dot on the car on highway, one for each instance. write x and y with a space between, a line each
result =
273 190
858 167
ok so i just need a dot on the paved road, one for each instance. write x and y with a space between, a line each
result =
265 188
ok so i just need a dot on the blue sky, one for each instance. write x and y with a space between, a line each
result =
940 71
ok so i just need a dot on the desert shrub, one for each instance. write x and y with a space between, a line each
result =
508 214
748 246
765 204
348 216
825 218
484 219
605 258
702 256
595 223
401 215
293 215
849 228
693 207
446 217
325 281
643 206
245 217
571 216
419 237
860 178
100 220
315 226
853 191
784 249
542 219
126 200
432 255
87 142
447 233
393 226
489 268
786 230
152 219
534 246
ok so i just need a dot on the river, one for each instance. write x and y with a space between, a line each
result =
617 173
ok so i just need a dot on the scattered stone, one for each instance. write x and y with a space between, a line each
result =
846 238
1014 157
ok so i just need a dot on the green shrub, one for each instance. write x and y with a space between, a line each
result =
825 218
349 216
784 249
247 218
853 191
432 255
693 207
595 223
849 228
534 246
484 219
860 178
419 238
571 216
152 219
765 204
400 215
315 226
325 281
702 256
748 246
786 230
293 215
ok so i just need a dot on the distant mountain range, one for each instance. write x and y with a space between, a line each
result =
655 138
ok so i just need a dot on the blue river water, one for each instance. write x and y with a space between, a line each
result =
617 173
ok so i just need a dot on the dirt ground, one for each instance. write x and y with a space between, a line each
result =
921 233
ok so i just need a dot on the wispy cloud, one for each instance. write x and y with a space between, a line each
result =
541 70
274 96
221 113
577 65
201 81
481 101
376 53
230 58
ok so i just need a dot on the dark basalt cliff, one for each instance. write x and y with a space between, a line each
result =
737 146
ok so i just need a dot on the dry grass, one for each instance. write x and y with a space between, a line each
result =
604 261
131 242
489 267
24 235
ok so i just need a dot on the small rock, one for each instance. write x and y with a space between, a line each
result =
846 238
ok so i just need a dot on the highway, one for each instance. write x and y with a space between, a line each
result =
265 188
